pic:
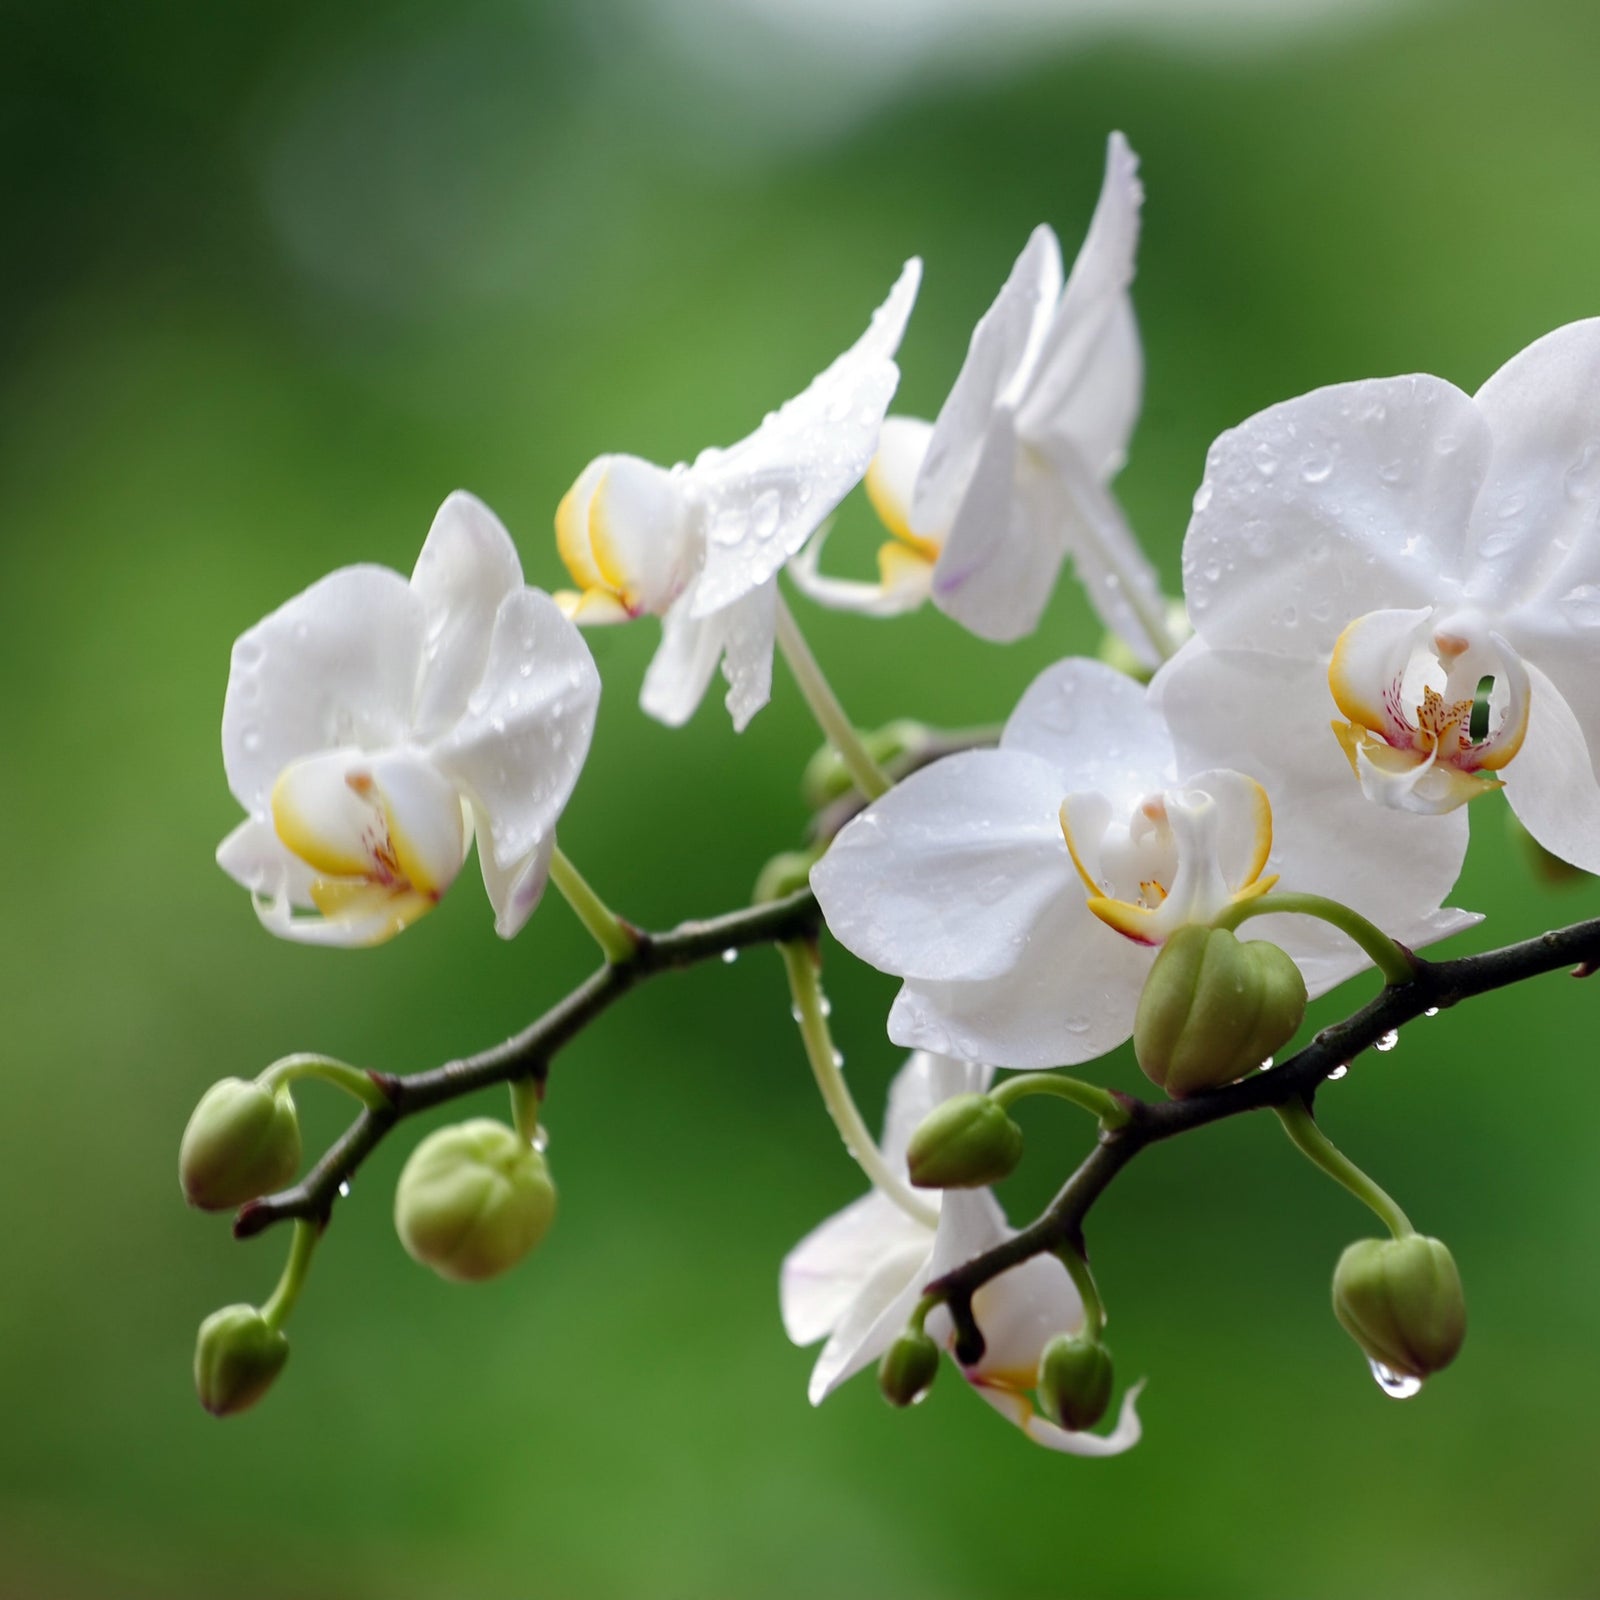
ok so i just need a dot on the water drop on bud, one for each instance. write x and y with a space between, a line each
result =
1401 1301
1075 1381
967 1143
908 1368
237 1358
473 1200
1214 1008
243 1141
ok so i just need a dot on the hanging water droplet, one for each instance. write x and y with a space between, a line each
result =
825 1006
1266 1066
1339 1072
1398 1386
344 1189
729 956
1432 1011
838 1058
1388 1041
541 1138
797 1013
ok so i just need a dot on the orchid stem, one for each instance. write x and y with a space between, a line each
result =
617 941
353 1080
836 727
527 1100
805 987
1317 1148
1097 1102
1393 960
276 1311
1094 1308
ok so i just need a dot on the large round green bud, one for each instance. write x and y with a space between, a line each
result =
1074 1383
243 1141
1401 1301
473 1200
908 1368
1214 1009
967 1143
237 1358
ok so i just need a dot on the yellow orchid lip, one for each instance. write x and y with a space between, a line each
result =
1226 813
1412 748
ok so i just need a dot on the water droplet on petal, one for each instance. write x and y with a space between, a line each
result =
1582 604
1202 496
1388 1041
1317 468
1396 1385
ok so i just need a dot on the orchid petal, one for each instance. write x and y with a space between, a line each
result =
749 628
1096 728
1536 520
516 889
679 672
765 496
947 875
257 859
1346 500
1003 344
1124 1436
468 565
517 751
905 583
336 665
1552 785
873 1320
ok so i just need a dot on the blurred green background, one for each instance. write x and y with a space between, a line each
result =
276 278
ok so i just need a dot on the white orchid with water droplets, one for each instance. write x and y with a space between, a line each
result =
855 1280
373 726
1021 892
986 503
1425 566
701 546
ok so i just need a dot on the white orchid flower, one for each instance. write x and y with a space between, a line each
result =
1020 892
855 1280
373 726
701 546
985 503
1427 565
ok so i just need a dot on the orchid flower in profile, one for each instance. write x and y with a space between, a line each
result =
1426 565
854 1280
985 503
373 726
1021 892
701 546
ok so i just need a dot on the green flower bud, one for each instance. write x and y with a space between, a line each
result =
237 1358
1075 1381
243 1141
908 1368
473 1200
827 778
1214 1009
1401 1301
966 1143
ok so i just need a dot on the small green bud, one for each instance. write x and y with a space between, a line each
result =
908 1368
1214 1008
967 1143
1075 1381
243 1141
473 1200
1401 1301
827 778
237 1358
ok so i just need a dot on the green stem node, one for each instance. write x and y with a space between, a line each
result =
617 941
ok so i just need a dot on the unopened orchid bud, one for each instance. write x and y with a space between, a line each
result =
827 778
237 1358
243 1141
1214 1008
473 1200
1075 1381
908 1368
967 1143
1401 1301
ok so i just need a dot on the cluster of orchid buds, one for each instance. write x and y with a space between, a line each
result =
1391 606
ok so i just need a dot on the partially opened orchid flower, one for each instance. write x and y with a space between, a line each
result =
373 726
701 546
985 503
1426 565
1021 892
855 1279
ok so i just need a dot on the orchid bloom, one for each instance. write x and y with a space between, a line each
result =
856 1279
1021 892
701 546
373 726
985 503
1427 565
